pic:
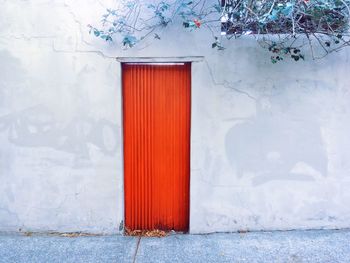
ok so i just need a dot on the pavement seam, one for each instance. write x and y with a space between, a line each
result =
137 248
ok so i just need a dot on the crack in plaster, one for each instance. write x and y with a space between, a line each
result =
80 26
79 36
24 37
96 52
226 83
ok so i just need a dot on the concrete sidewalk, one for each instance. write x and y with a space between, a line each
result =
279 246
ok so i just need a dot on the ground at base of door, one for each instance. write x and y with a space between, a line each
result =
147 233
278 246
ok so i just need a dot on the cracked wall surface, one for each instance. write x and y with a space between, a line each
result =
269 143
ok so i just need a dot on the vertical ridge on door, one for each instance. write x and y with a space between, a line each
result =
156 116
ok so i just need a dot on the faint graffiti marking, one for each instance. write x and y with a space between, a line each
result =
271 147
37 127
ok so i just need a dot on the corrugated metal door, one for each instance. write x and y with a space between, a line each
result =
156 111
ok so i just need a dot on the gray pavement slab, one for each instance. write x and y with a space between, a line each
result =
279 246
18 249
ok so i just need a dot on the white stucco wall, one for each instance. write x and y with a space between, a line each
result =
269 146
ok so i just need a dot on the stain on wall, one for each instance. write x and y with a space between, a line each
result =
37 127
274 146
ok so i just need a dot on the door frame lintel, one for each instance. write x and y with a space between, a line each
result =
160 59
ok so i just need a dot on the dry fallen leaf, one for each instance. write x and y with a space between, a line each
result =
146 233
76 234
242 231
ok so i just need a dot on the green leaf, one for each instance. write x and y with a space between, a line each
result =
217 8
129 41
96 32
274 15
286 50
296 58
288 9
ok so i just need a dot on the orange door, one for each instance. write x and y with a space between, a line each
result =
156 112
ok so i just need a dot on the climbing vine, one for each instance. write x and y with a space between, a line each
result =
287 28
